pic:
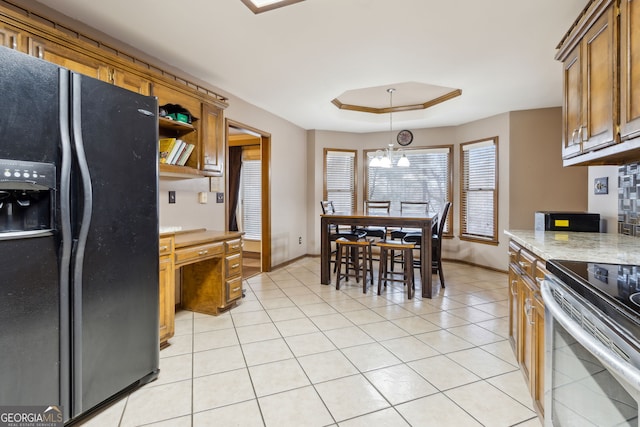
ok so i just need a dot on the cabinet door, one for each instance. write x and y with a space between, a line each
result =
167 300
513 309
526 328
629 69
599 85
537 383
212 160
131 82
10 37
572 104
68 58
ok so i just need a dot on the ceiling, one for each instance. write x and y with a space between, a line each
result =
295 60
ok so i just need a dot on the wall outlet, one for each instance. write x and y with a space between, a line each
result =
172 196
601 185
300 240
219 197
202 197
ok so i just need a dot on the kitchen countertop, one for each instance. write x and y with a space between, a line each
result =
576 246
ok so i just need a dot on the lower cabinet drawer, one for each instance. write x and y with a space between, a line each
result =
234 289
233 265
233 245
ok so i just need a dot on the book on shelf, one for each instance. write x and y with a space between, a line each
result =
177 149
182 160
165 147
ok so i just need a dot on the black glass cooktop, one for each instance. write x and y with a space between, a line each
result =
612 288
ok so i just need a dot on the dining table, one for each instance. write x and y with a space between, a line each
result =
391 220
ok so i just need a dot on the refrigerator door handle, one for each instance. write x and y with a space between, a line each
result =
66 242
13 235
85 222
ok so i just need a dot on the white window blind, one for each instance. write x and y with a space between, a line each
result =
251 199
478 218
340 179
428 178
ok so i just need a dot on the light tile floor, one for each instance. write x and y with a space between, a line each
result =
298 353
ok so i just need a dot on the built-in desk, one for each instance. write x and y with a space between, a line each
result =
210 264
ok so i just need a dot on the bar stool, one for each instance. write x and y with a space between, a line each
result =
390 247
355 254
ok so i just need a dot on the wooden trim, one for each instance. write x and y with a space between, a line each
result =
265 153
259 9
493 240
588 16
65 36
429 103
355 173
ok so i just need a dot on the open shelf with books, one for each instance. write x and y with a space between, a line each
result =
178 149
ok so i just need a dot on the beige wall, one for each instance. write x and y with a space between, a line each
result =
478 253
537 180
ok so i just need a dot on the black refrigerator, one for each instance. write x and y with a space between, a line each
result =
78 238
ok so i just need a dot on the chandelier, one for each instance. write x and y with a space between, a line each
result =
384 158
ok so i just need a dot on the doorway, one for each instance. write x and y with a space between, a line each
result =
252 147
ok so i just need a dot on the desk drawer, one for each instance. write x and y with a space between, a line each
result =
234 289
166 246
234 246
233 265
197 253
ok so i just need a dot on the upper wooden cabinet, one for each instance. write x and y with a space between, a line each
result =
11 37
67 58
629 69
601 114
212 160
590 98
572 100
130 81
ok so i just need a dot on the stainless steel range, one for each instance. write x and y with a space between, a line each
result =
592 344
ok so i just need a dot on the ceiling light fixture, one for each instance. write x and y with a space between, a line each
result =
384 158
259 6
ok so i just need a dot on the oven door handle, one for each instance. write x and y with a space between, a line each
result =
625 372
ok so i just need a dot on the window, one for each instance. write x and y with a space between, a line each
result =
251 198
479 191
340 179
428 178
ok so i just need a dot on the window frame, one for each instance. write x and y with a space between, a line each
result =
464 235
325 190
368 153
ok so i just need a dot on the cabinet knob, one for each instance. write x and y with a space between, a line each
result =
203 252
164 248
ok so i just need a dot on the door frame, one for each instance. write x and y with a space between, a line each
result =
265 155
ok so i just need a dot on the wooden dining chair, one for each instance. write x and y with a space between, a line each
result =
336 233
373 207
420 209
436 243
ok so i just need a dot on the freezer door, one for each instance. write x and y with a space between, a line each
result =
29 365
115 287
29 285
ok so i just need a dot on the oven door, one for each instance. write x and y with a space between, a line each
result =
591 367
